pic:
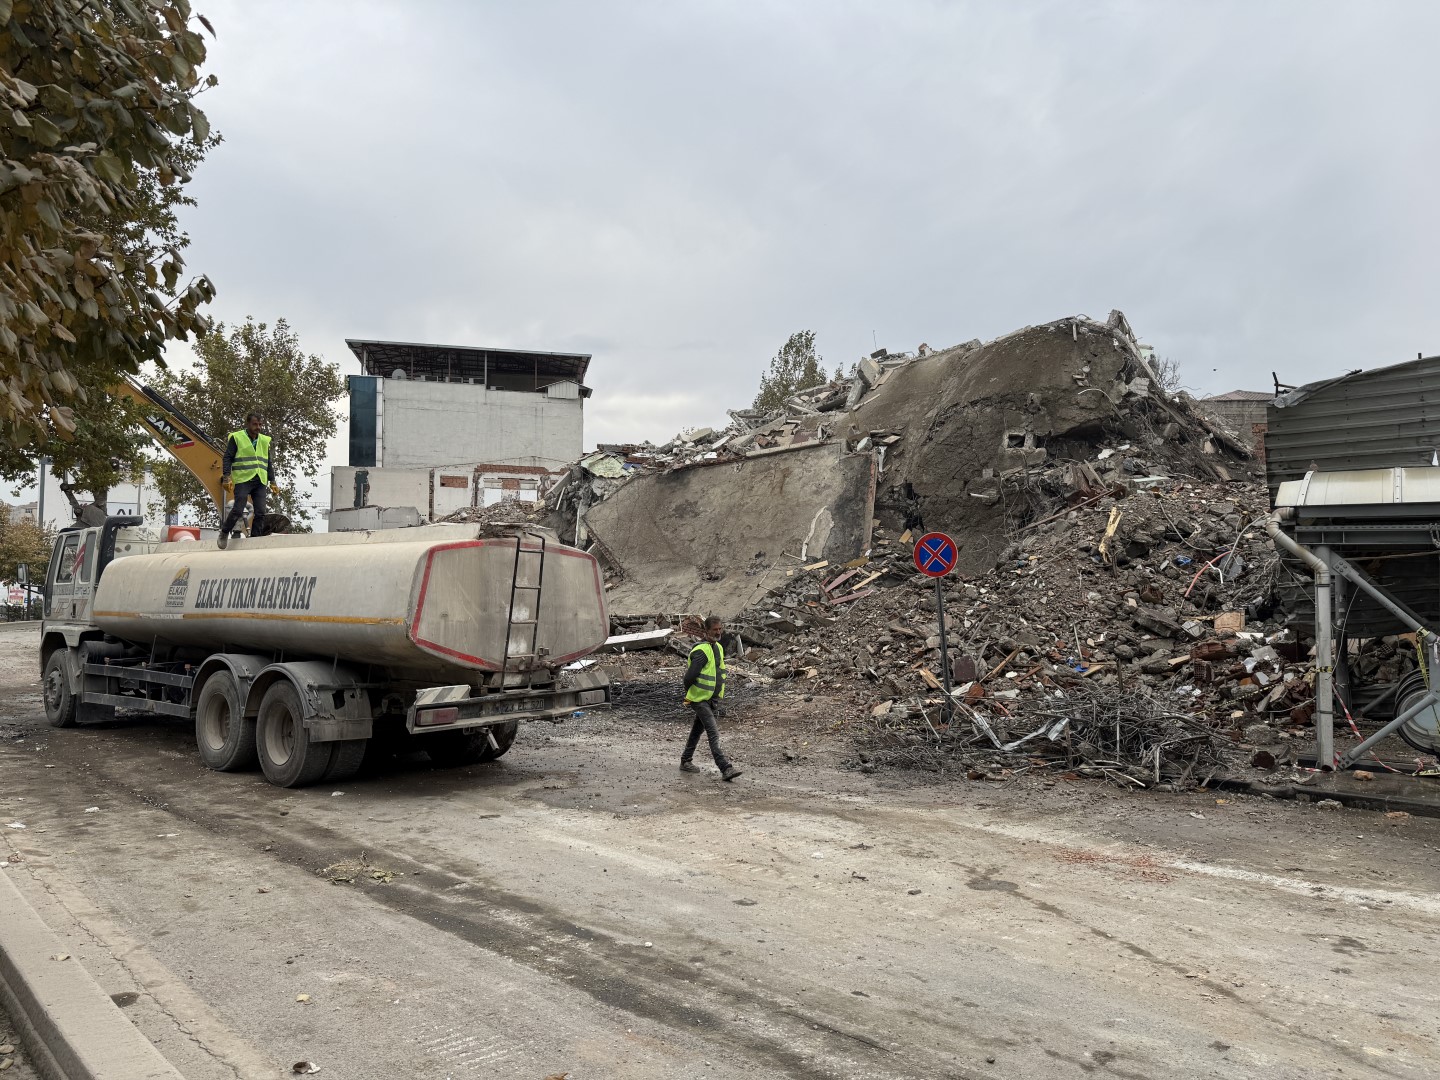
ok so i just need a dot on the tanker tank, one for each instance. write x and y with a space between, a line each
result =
427 604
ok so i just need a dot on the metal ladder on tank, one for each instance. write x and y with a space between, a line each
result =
525 558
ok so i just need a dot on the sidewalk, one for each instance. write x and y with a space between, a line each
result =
70 1026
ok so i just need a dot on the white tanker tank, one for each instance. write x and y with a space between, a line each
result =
420 602
300 652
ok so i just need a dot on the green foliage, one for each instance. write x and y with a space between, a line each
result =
96 97
23 543
254 368
795 367
107 448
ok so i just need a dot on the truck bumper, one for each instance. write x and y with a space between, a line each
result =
451 708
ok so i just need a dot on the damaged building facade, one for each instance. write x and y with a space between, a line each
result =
437 430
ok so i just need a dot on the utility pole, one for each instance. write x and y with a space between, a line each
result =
40 499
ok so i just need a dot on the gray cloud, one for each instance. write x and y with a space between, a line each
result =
678 186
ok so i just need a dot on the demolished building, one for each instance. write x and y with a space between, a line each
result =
972 440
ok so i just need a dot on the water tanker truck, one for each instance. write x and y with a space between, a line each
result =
293 652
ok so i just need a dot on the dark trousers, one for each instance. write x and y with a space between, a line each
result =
705 722
255 491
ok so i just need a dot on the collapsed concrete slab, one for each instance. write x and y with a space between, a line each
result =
718 537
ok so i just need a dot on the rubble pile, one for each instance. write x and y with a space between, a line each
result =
506 512
1146 613
1130 737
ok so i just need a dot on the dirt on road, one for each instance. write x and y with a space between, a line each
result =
582 907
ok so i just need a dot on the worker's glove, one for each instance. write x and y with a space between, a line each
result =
275 490
228 485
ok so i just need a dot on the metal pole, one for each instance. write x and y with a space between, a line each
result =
949 708
1324 689
1404 718
1324 666
40 505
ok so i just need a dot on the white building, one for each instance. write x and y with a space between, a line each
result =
442 427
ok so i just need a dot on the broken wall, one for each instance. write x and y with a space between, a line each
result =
717 537
974 415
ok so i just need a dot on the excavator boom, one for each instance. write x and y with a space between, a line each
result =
183 438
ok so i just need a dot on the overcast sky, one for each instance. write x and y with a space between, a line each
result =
675 187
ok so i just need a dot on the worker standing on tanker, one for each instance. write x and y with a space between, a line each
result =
245 474
704 691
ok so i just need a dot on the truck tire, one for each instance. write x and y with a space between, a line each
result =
287 756
346 758
224 735
452 749
59 701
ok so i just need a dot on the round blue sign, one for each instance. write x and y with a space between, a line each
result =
935 554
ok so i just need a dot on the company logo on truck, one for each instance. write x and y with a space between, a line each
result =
285 593
178 588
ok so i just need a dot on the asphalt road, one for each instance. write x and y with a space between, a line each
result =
581 907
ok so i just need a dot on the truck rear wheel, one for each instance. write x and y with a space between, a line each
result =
59 701
223 733
346 757
451 749
287 756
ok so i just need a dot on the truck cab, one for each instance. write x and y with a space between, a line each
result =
77 562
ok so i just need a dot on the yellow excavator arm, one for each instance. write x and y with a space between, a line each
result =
185 440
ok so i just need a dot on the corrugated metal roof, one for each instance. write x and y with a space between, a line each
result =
1385 418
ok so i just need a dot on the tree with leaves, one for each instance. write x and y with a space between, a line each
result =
23 543
98 96
795 367
254 368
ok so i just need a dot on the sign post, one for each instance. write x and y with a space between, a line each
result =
935 556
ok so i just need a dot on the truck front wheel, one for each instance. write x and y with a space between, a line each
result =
450 749
223 733
287 756
59 701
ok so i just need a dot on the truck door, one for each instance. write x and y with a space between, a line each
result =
84 586
60 584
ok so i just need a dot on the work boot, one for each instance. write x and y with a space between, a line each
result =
689 766
222 539
730 772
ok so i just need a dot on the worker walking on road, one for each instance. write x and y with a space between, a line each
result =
245 473
704 692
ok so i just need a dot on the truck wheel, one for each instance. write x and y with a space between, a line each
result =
452 749
346 758
59 701
287 756
504 739
223 733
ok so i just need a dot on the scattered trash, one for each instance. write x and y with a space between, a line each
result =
16 825
302 998
92 809
61 956
649 945
304 1067
335 793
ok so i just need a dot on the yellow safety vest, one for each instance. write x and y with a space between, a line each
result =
711 682
250 458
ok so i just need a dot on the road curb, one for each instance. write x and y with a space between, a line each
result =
1356 800
70 1026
